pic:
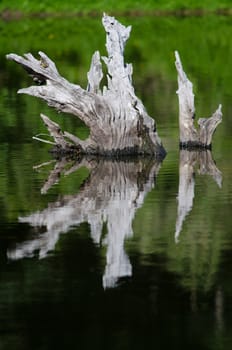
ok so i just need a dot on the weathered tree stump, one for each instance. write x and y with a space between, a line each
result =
117 119
190 137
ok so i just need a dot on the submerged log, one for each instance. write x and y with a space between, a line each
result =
117 119
108 200
190 137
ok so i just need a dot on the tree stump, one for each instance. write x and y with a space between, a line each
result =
117 119
190 137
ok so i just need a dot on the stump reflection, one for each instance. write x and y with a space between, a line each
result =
189 160
110 196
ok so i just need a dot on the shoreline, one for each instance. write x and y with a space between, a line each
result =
12 15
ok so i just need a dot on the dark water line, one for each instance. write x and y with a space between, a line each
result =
14 15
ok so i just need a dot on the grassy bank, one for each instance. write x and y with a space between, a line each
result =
16 8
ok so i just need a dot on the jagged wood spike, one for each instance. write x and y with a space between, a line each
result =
189 135
95 74
208 126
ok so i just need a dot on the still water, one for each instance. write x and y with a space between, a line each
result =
131 254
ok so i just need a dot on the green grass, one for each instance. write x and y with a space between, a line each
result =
111 6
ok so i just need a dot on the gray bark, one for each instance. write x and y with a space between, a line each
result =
117 119
189 135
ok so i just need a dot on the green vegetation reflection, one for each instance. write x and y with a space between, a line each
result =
205 46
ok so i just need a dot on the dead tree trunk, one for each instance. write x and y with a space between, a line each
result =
189 135
117 119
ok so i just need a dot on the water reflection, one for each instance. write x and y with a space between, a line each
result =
109 198
187 164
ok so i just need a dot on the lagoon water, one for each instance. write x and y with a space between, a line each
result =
131 254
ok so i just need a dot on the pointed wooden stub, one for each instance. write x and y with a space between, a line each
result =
190 137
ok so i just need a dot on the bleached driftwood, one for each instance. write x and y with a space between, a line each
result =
189 135
110 196
188 162
117 119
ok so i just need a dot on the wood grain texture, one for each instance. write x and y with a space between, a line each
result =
117 119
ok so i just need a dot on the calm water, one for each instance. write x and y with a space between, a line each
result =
117 255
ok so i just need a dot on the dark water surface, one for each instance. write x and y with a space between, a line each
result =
117 255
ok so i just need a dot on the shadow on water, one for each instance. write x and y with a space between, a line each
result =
108 201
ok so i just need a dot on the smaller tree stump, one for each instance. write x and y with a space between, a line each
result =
190 137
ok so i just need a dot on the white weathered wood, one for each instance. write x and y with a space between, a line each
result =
117 119
208 126
95 74
186 105
189 135
110 197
